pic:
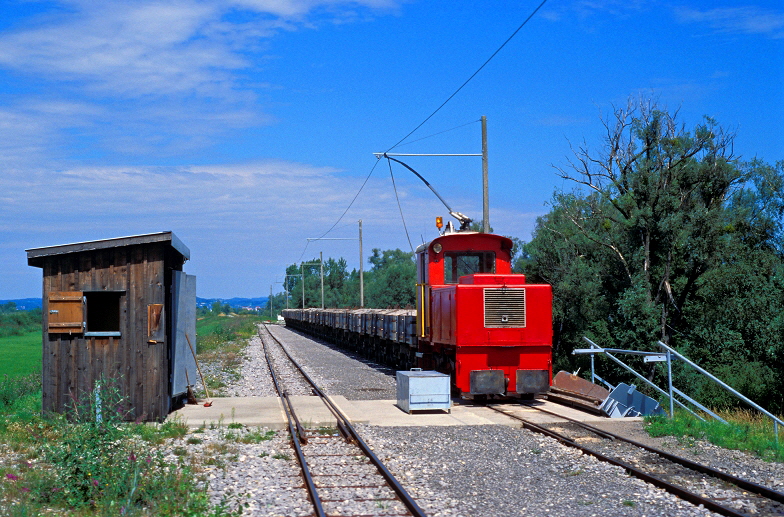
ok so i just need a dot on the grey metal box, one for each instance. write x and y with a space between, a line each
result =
418 389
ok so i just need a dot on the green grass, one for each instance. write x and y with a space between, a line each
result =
83 466
214 330
220 341
745 431
21 354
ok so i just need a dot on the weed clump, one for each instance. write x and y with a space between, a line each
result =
93 462
745 431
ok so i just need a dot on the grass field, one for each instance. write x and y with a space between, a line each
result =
20 355
746 431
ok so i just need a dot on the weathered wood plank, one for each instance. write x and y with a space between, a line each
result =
72 363
155 358
136 299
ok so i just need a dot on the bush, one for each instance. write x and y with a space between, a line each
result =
20 322
92 462
12 390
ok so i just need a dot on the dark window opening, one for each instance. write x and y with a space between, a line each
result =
457 264
103 312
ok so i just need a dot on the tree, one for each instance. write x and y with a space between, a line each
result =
389 283
340 287
392 279
275 304
657 198
667 237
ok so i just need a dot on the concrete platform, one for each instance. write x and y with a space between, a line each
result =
263 412
268 412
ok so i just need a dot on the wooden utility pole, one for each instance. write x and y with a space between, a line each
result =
321 264
485 194
361 279
485 190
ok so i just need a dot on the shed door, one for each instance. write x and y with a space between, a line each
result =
184 328
66 312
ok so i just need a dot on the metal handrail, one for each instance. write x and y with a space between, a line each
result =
776 420
628 368
672 391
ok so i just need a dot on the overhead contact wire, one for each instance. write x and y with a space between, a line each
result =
440 132
472 76
428 118
398 204
346 210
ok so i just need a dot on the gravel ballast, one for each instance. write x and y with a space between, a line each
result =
450 471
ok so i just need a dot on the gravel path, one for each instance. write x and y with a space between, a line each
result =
255 379
498 470
451 471
339 372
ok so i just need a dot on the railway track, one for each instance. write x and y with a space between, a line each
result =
699 484
342 475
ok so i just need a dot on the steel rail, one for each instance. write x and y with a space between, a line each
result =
315 499
654 480
745 484
351 434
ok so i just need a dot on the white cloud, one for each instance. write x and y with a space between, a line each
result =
32 132
126 50
296 8
135 49
743 19
214 199
148 77
242 222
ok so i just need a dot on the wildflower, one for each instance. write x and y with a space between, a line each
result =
25 489
12 477
132 458
95 482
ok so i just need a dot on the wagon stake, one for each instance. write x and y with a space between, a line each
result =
203 382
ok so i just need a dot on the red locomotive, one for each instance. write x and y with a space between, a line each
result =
475 319
479 321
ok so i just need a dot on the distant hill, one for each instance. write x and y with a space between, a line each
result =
26 304
236 303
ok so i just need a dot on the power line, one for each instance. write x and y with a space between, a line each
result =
440 132
399 142
472 76
344 211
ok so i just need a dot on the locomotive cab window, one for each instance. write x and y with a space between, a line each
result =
457 264
102 313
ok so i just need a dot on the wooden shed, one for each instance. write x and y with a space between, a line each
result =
119 309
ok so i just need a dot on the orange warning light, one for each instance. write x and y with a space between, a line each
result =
439 222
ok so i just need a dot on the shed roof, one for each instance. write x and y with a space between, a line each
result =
35 255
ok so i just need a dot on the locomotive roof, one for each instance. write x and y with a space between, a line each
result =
506 242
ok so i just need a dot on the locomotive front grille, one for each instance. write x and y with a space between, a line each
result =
504 308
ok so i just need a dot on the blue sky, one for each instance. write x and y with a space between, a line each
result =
248 126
